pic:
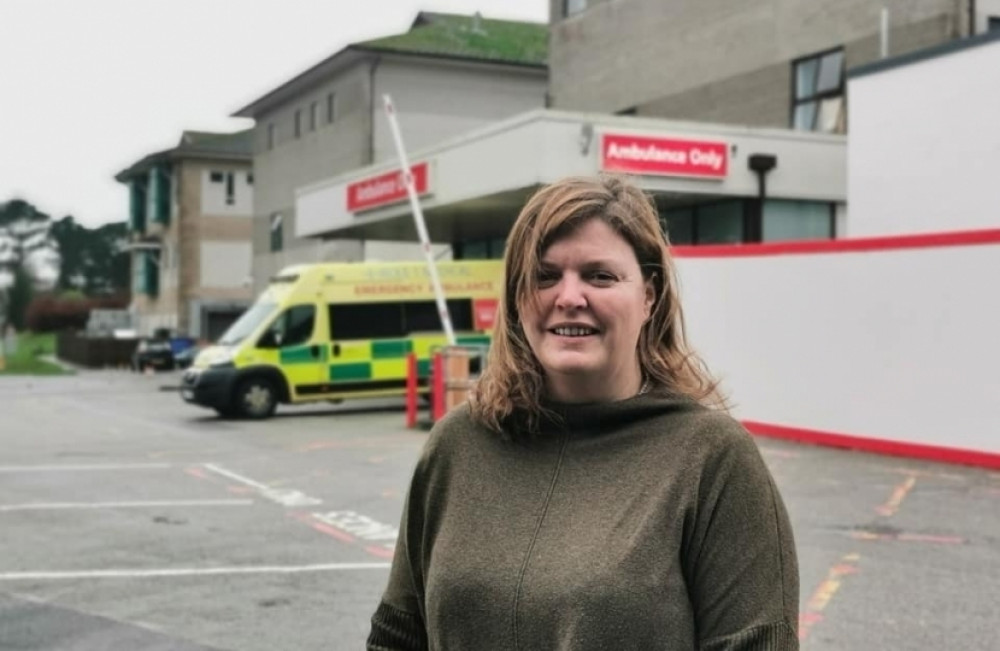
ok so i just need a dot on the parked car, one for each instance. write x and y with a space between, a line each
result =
153 353
186 357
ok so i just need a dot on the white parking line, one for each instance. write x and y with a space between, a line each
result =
283 496
105 466
239 478
193 571
43 506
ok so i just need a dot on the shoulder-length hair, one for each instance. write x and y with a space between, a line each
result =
508 396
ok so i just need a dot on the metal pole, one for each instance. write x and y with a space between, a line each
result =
884 33
418 218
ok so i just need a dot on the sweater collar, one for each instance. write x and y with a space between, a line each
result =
598 417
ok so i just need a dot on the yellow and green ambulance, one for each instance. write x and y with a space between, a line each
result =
341 330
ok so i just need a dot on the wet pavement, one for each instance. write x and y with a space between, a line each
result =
134 521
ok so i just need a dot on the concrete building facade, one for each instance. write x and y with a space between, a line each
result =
189 229
447 75
772 63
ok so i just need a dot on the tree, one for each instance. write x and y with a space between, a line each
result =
94 260
19 298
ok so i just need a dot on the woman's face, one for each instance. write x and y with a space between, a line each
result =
591 304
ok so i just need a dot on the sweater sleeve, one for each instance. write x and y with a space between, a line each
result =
741 563
398 623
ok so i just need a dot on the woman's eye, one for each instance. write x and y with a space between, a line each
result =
602 277
547 278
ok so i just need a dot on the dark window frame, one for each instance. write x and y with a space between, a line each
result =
276 232
817 97
585 4
331 108
283 324
298 123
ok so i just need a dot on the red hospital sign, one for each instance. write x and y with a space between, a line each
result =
386 189
664 156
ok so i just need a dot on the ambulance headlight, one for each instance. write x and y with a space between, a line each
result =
220 358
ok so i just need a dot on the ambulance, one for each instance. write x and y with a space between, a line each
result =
327 332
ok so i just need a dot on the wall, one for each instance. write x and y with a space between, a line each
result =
216 199
893 344
225 265
213 249
923 153
619 54
436 100
330 149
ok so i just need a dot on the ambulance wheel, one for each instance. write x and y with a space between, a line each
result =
256 398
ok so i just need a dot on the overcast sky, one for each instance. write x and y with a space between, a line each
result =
88 87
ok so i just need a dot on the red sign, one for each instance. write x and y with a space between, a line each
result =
664 156
386 189
484 313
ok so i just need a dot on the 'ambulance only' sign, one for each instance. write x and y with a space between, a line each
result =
386 189
664 156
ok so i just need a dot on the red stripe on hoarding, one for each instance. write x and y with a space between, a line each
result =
851 245
880 446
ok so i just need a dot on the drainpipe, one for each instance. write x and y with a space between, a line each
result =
760 164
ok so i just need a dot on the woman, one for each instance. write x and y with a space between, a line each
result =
589 496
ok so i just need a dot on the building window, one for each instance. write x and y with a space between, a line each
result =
678 224
331 108
787 220
277 239
571 7
249 178
721 223
216 177
818 98
270 136
478 249
993 24
298 123
313 115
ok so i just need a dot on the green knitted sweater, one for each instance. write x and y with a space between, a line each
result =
648 523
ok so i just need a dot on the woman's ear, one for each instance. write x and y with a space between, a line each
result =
650 298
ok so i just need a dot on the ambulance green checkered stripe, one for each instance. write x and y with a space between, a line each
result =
423 368
302 355
473 340
391 348
350 372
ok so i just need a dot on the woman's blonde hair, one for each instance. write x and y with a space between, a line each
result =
507 398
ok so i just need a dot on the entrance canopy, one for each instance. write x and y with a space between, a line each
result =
473 187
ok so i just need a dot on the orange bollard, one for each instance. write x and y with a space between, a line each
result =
411 390
437 388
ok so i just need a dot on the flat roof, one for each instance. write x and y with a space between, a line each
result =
933 52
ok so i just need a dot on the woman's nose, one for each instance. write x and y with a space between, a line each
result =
571 293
